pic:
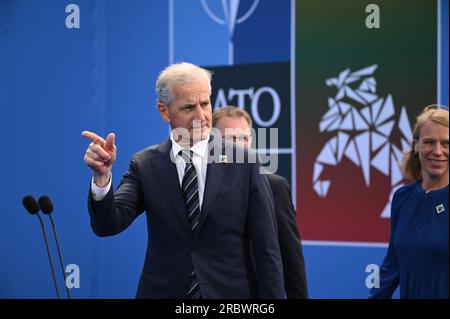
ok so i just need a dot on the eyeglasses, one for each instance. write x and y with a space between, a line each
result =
436 107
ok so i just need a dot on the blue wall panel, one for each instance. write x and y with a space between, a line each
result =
56 82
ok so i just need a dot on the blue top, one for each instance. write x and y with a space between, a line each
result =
417 257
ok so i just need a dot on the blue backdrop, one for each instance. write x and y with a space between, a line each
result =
56 81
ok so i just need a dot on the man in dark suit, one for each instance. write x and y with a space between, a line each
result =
202 211
235 124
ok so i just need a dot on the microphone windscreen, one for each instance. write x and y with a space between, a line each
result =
30 204
46 204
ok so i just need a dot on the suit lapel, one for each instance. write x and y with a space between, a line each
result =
214 177
167 175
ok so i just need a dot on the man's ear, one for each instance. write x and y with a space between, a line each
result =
164 112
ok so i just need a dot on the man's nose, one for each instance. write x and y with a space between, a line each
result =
199 113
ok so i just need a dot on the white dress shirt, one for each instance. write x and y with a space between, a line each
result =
199 159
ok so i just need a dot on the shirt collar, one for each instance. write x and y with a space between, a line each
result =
200 148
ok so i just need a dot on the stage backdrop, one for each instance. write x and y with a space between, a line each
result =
340 83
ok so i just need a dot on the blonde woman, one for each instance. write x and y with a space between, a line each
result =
418 256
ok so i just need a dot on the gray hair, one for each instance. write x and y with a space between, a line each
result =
179 74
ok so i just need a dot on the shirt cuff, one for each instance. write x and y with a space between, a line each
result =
98 193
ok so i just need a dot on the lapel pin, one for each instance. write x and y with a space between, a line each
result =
440 208
223 159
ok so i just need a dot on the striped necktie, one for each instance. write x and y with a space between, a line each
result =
189 188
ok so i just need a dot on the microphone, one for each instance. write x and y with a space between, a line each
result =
32 207
47 209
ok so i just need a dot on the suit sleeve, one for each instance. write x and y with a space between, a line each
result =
118 209
264 238
290 242
389 271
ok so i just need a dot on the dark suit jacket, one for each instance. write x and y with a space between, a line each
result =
289 239
237 207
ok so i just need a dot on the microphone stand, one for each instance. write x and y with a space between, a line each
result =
49 256
60 256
